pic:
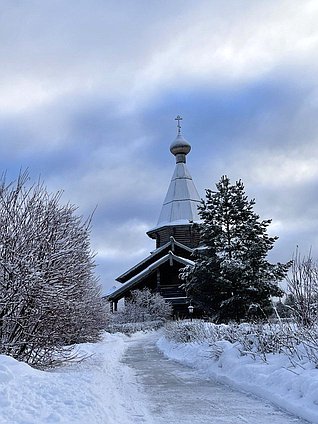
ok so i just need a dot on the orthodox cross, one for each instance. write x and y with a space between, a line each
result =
178 118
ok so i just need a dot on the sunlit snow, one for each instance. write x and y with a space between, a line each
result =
126 380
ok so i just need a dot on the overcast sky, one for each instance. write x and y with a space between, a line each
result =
89 90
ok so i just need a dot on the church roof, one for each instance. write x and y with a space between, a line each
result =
133 282
172 245
182 199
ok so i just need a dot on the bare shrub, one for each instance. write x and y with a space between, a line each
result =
297 342
193 332
303 289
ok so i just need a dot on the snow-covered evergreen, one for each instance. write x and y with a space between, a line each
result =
232 277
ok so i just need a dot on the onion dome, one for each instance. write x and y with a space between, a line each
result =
180 147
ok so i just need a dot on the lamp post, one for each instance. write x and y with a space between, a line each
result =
190 309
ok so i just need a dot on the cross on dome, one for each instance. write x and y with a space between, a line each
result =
178 118
180 147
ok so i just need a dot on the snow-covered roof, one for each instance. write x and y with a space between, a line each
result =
152 258
129 285
182 199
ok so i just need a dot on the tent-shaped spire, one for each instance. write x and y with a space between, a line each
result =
182 199
176 238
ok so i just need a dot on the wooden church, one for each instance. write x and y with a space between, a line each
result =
175 236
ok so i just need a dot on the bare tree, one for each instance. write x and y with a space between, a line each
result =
49 296
303 288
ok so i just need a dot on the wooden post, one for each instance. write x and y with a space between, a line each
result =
158 280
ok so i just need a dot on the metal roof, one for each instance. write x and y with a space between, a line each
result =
182 199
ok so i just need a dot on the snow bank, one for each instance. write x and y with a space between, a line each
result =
99 389
293 389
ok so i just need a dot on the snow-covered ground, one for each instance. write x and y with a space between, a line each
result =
294 389
97 390
103 389
177 394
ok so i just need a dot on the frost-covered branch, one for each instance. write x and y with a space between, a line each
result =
49 296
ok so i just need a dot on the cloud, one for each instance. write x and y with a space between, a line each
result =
233 43
129 51
89 91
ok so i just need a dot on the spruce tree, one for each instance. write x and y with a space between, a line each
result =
232 278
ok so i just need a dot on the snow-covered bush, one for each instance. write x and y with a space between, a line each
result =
132 327
186 331
142 307
49 296
298 343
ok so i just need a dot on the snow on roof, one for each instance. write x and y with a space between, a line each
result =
135 280
153 254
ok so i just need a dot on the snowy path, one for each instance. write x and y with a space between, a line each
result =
176 394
